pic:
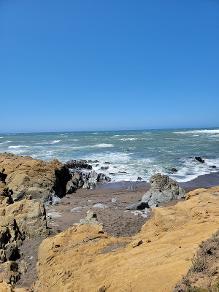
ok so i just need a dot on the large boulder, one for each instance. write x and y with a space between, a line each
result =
163 190
31 177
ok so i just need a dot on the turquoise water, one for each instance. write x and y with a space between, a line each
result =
131 153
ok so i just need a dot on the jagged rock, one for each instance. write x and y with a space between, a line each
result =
163 190
173 170
199 159
18 221
9 272
101 178
83 176
78 164
12 251
30 177
2 175
71 187
6 196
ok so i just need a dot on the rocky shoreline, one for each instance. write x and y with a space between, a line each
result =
40 199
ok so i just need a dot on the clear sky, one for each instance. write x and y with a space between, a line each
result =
116 64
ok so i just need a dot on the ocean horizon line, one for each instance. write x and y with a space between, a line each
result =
110 130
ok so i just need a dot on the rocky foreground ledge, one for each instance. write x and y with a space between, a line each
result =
25 185
84 257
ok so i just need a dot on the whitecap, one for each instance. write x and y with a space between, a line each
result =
191 169
54 142
128 139
18 146
102 145
204 131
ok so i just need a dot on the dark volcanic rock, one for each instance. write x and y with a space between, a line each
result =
199 159
173 170
2 175
104 167
103 178
80 164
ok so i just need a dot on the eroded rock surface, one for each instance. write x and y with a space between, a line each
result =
84 258
26 176
163 190
18 221
21 217
82 176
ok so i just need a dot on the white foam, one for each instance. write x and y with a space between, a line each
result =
124 166
101 145
204 131
129 139
191 169
54 142
18 146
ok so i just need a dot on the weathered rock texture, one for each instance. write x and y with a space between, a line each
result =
18 221
4 287
82 176
27 176
83 258
163 190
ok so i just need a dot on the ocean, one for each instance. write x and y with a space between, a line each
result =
125 155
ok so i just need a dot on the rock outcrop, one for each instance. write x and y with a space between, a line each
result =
85 258
18 221
82 176
199 159
26 176
163 190
91 218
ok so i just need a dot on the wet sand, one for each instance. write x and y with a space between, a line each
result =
110 202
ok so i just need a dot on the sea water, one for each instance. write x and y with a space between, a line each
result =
125 155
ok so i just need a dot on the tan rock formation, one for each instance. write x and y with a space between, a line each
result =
4 287
18 220
83 258
37 178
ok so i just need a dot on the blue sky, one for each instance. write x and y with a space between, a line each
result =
117 64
